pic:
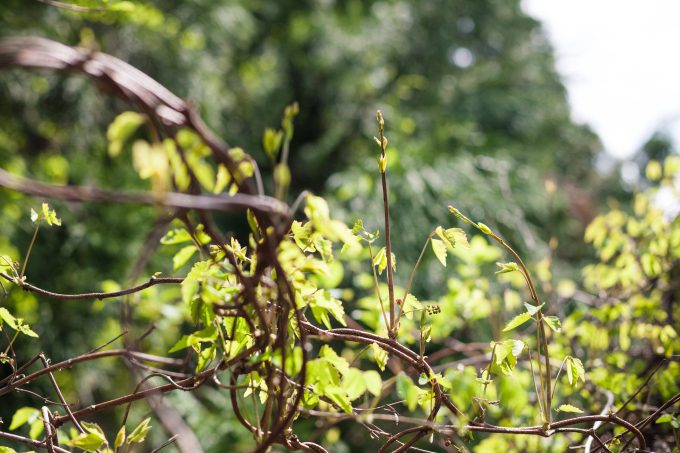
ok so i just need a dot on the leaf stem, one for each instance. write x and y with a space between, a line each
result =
28 253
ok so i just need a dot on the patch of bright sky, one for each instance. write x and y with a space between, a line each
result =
619 60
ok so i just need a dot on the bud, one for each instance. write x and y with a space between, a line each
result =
483 228
379 117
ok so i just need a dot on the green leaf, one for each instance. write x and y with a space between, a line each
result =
120 438
411 305
121 129
271 142
452 237
380 356
23 416
17 324
575 370
380 260
651 265
373 382
322 304
7 450
139 433
353 383
517 321
47 215
183 256
533 309
439 249
553 322
90 441
176 236
37 428
340 363
665 418
507 267
339 397
569 408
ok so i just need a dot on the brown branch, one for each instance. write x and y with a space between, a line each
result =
43 292
176 200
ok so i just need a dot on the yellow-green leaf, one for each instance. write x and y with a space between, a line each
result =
517 321
569 408
439 249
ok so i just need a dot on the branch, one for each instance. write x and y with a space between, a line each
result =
43 292
238 201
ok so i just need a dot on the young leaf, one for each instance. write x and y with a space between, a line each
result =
533 309
120 438
121 129
517 321
183 256
90 441
410 305
373 382
439 249
553 322
139 433
339 396
575 370
23 416
507 267
569 408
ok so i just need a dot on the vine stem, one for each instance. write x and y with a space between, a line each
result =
546 381
386 207
28 252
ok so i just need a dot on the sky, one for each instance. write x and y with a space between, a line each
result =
620 62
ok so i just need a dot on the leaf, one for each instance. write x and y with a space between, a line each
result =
380 356
90 441
575 370
183 256
507 267
517 321
569 408
329 355
139 433
339 397
354 383
7 450
554 323
17 324
651 265
457 237
533 309
373 382
176 236
380 260
121 129
120 438
324 303
439 249
23 416
411 305
37 428
665 418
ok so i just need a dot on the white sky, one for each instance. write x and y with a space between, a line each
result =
620 61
